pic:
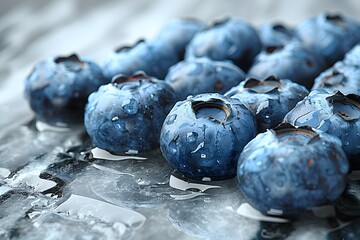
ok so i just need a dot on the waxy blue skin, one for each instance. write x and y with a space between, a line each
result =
269 100
232 39
151 58
275 34
202 75
177 33
292 170
340 77
128 115
335 114
206 145
352 58
57 89
329 35
292 61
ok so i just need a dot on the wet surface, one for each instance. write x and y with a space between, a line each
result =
53 187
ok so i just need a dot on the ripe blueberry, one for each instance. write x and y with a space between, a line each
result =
203 136
127 114
57 88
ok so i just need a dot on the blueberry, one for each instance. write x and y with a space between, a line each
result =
334 113
290 61
177 34
352 58
340 77
232 39
203 136
127 114
202 75
289 170
269 100
275 34
329 35
151 58
57 88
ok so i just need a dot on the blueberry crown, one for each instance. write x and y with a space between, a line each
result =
268 85
274 48
220 22
346 106
286 131
138 76
336 19
280 28
214 109
127 48
71 62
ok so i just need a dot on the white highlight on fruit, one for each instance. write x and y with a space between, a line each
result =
107 212
273 211
132 151
39 184
246 210
262 106
103 154
187 196
180 184
200 146
42 127
110 170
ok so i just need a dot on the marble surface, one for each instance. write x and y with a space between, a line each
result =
48 184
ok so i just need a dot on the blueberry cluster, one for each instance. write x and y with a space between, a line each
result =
291 150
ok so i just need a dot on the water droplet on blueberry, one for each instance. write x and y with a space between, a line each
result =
173 147
192 136
171 119
130 106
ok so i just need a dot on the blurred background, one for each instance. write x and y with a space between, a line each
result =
33 30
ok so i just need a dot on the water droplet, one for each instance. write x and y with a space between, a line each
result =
218 161
154 97
267 116
61 90
280 183
115 118
207 199
200 146
171 119
192 136
346 143
173 147
218 69
130 106
258 163
167 136
199 170
203 155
